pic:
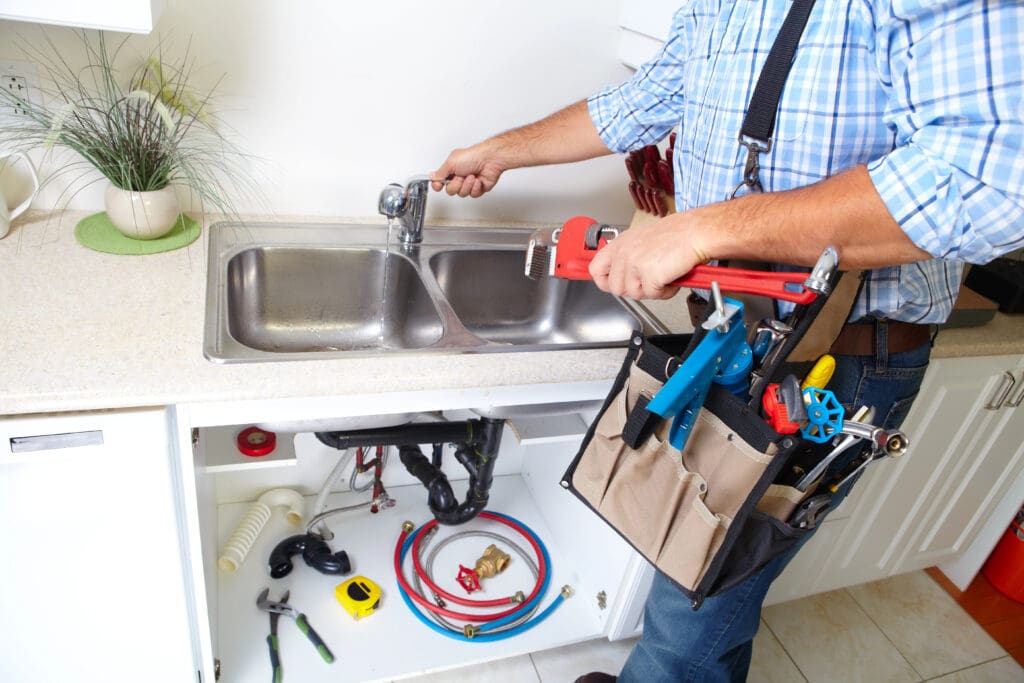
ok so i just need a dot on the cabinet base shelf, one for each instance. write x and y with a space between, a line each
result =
391 642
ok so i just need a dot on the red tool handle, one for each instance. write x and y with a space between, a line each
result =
572 262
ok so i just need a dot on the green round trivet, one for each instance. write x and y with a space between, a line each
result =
97 232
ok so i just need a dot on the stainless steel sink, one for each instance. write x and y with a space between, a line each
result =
309 299
494 300
279 291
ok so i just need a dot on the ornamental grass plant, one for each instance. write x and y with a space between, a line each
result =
142 129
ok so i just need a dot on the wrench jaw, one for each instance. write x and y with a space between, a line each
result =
540 253
820 279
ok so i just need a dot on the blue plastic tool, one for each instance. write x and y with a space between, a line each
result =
723 349
824 415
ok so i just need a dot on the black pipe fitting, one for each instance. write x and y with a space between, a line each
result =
477 450
315 552
400 435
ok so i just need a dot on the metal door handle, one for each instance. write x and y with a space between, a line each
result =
1006 382
49 442
1016 399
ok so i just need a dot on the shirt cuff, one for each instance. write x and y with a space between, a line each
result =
926 198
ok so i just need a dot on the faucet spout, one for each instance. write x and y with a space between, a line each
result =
408 204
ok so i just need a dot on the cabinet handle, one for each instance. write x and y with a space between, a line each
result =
49 442
1016 399
1006 382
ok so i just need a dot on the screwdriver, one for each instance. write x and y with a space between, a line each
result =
820 373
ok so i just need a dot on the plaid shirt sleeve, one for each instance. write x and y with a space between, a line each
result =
642 110
955 179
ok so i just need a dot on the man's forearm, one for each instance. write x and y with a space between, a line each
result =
793 227
565 136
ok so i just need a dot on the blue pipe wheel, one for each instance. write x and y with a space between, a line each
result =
824 415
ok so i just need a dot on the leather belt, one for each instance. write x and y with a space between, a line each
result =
858 339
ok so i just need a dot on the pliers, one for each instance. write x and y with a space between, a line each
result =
276 609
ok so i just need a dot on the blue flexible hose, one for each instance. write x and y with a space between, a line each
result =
482 635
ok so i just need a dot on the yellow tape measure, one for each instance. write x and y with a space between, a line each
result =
359 596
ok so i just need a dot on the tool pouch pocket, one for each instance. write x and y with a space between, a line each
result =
708 516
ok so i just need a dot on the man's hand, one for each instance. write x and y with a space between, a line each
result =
565 136
469 172
642 261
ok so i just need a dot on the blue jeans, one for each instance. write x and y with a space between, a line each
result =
714 643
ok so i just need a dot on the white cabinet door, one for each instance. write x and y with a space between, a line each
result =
131 16
92 583
984 457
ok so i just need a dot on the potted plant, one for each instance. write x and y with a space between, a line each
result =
145 134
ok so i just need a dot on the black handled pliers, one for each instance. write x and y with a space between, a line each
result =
276 609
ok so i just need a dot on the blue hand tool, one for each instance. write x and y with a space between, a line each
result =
720 357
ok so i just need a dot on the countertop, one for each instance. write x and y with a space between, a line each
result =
85 330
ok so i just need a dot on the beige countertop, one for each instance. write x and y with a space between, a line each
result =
84 330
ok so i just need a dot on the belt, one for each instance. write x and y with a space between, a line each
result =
858 339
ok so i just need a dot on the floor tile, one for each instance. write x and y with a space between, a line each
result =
566 664
1002 670
770 663
832 640
511 670
926 625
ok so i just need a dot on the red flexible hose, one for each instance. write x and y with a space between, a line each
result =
426 604
468 602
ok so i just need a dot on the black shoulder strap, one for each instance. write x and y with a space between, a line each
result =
759 121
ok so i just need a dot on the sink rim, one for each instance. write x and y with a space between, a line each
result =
226 239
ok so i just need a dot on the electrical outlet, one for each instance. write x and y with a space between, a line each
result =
21 78
19 86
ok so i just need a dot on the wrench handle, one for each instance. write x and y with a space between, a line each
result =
275 658
314 638
572 262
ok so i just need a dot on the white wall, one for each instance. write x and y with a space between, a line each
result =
341 98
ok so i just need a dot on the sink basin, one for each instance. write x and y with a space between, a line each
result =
281 291
494 300
303 299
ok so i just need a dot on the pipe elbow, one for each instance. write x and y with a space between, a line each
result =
286 498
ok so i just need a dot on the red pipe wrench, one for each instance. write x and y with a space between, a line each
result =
567 251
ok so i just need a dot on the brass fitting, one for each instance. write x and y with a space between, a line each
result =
567 591
492 562
469 630
518 598
408 527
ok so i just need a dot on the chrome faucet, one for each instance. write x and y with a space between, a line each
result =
408 204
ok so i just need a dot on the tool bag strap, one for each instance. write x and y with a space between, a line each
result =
759 121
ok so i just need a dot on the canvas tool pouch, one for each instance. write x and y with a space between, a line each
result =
708 516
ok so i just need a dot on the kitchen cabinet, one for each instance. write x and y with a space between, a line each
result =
129 16
147 511
586 555
93 581
925 508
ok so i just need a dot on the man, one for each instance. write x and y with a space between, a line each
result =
898 141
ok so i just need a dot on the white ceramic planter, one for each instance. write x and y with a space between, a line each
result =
142 215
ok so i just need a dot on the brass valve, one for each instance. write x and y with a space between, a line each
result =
493 561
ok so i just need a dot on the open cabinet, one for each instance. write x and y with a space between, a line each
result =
606 577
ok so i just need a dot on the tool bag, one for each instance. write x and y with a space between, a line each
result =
714 513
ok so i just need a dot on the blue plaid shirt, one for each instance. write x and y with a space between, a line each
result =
927 94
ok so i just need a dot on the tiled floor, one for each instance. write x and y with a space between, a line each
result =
905 628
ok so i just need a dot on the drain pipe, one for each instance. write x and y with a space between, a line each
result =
477 450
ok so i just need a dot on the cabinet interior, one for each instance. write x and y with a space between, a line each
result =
391 642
